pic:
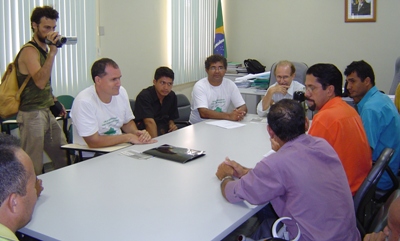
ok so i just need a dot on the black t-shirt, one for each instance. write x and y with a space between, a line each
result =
147 105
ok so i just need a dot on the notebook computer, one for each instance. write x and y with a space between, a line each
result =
173 153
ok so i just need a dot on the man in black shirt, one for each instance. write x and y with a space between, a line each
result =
156 106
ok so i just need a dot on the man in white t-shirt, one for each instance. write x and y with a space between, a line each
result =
283 88
213 95
101 111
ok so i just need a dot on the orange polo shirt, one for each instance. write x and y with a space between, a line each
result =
339 124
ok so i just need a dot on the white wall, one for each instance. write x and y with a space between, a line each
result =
313 31
268 30
135 36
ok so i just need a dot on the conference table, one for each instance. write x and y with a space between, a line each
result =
118 197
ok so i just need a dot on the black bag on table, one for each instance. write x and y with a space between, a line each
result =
253 66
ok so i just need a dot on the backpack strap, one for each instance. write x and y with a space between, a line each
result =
18 94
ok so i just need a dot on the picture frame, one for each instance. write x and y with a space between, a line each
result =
356 12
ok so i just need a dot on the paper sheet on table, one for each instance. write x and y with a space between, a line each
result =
225 124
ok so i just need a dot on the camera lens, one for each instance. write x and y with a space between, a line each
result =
63 40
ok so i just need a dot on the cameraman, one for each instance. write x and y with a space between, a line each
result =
38 127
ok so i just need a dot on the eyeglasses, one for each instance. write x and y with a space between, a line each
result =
214 68
286 77
311 88
162 82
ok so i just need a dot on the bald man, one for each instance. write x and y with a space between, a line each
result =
392 231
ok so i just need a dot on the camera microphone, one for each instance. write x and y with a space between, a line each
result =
63 41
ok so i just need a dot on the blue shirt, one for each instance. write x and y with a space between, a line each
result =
382 124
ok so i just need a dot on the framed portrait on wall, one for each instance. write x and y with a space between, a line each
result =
360 11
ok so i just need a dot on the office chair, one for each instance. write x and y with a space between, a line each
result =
184 111
301 70
8 124
67 102
396 78
365 202
132 102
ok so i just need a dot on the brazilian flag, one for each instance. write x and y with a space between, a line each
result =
219 41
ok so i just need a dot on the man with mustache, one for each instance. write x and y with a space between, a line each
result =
337 122
213 95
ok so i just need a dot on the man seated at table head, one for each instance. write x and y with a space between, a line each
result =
378 113
156 106
19 187
101 111
213 95
284 87
392 231
338 122
303 180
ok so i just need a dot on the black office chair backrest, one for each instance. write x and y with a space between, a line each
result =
184 111
373 176
132 102
301 70
365 204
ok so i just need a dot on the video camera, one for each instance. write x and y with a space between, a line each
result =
299 96
63 41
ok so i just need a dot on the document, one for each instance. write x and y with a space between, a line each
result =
225 124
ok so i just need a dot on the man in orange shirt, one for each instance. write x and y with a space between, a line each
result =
337 122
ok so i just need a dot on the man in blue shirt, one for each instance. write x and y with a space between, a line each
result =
378 113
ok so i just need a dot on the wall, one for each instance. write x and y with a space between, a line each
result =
268 30
312 31
135 37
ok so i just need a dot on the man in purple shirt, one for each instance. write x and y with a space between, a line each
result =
303 180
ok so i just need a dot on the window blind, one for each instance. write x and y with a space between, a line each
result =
192 37
71 69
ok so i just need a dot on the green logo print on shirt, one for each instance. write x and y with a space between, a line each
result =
111 131
218 109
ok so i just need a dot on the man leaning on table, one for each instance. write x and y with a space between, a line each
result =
19 187
378 113
213 95
101 111
284 87
296 180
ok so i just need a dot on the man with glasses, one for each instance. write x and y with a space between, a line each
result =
337 122
156 106
213 95
102 110
283 88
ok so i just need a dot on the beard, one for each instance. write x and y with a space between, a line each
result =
40 37
311 106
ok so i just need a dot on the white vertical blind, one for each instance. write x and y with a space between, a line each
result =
192 38
71 69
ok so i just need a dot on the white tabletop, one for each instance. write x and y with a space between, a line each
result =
115 197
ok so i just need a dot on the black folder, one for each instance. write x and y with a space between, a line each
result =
173 153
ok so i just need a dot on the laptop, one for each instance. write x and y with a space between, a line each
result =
173 153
